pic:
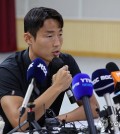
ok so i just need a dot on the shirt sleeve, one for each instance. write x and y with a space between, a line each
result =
9 83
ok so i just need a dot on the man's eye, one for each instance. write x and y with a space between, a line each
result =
60 34
49 36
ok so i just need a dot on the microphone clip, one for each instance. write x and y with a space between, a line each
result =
104 113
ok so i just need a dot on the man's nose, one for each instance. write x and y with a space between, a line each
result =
57 41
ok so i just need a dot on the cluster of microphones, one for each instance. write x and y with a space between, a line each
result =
103 81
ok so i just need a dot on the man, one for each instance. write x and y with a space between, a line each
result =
43 34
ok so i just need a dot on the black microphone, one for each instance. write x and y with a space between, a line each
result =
55 65
37 71
83 89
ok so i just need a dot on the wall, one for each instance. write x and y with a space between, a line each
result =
87 38
78 9
101 9
73 11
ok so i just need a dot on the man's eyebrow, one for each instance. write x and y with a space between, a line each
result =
51 31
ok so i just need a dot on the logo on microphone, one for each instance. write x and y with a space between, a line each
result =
103 77
118 74
43 68
75 85
86 82
31 65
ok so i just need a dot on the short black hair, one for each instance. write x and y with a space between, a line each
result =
35 18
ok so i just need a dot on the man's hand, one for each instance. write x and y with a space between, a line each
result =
62 78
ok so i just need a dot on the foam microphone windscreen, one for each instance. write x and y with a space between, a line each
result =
82 86
114 70
102 82
38 70
111 67
55 65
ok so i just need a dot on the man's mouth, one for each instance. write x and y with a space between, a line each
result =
56 53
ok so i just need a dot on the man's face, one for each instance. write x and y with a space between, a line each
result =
48 42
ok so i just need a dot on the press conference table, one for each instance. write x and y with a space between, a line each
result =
80 125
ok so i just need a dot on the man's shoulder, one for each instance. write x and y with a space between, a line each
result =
66 56
11 60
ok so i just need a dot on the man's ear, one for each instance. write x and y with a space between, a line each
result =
28 38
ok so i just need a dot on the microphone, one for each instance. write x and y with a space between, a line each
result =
102 82
83 89
103 85
55 65
37 70
115 72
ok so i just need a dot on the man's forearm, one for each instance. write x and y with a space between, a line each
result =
45 101
77 114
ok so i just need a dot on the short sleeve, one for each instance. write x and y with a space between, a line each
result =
9 83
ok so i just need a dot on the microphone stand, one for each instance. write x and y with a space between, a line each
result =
89 116
30 119
112 116
105 114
